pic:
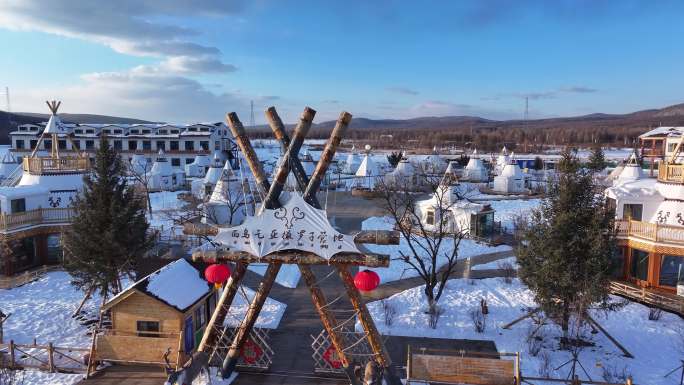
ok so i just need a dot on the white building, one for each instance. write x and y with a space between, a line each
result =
475 170
510 180
199 167
227 204
180 143
457 215
163 177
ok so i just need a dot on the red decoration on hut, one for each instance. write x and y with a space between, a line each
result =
251 352
366 280
331 357
217 274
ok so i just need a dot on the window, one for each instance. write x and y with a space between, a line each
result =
145 327
162 132
611 204
78 131
640 264
188 160
33 144
135 131
672 270
133 145
18 205
161 145
76 144
54 248
204 145
430 219
145 131
90 144
19 144
117 131
61 144
147 145
189 145
175 162
173 145
632 211
200 316
89 131
217 145
47 144
671 147
118 145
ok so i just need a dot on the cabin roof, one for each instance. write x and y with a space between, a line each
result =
179 285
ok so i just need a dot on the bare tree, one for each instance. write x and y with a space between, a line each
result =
141 176
433 248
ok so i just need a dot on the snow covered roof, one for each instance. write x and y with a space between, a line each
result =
512 170
631 170
404 168
215 171
367 167
201 160
663 131
161 166
475 162
451 168
178 284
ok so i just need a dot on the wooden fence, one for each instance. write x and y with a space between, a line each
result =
44 357
25 277
35 217
671 302
650 231
129 347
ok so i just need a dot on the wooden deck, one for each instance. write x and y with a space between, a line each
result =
651 297
127 374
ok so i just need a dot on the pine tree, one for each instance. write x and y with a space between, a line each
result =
109 230
566 249
597 160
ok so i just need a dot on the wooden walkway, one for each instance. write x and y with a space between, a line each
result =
129 375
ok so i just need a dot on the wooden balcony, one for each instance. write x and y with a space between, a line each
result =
62 165
649 296
650 231
670 173
129 347
41 216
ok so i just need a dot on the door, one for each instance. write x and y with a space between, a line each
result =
188 336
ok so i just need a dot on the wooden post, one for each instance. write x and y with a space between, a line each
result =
292 152
222 307
327 155
250 319
517 368
51 357
242 140
278 129
11 353
328 320
180 348
374 339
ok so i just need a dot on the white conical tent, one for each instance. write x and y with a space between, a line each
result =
162 176
367 173
8 165
352 162
139 164
198 167
214 172
631 170
511 178
502 160
55 126
475 170
227 201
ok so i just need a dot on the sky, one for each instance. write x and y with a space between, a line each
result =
186 61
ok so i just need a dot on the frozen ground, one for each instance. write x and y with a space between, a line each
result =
270 315
656 345
496 264
288 275
399 269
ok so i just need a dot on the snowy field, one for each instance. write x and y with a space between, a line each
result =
506 211
269 317
495 264
656 345
398 269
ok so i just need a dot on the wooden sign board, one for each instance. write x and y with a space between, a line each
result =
461 370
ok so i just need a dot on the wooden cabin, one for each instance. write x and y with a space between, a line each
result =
167 310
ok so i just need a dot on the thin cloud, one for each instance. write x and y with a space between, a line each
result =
579 89
402 90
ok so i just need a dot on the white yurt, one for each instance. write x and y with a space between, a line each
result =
202 188
403 174
199 166
352 162
502 161
451 173
434 164
631 171
8 165
475 170
460 215
226 205
163 177
511 179
367 173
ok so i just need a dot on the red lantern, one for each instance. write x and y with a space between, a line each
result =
217 274
366 280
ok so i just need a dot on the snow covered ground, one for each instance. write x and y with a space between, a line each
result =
270 315
656 345
288 275
34 377
496 264
398 269
507 210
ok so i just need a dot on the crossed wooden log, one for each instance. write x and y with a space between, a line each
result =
270 193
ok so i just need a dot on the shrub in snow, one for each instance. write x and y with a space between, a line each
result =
507 271
615 373
654 314
479 319
544 364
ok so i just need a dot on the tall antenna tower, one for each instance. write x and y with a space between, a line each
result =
527 110
251 113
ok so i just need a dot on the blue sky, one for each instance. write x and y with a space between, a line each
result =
186 61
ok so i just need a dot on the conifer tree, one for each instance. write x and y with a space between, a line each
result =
597 160
109 230
566 248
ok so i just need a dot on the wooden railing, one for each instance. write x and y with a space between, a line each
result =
44 357
50 165
671 173
25 277
38 216
650 231
665 301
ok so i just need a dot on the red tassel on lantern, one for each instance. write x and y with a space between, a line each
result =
366 280
217 274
